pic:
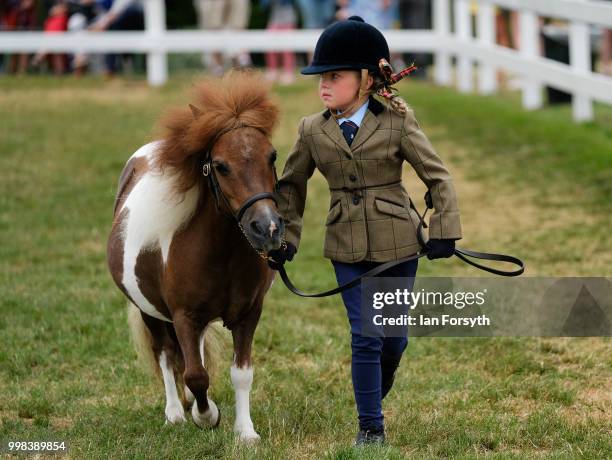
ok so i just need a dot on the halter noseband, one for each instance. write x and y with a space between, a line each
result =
209 172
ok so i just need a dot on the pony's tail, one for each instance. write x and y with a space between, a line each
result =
143 342
215 341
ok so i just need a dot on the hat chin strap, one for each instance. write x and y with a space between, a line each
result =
364 94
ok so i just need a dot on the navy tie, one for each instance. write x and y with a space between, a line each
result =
349 129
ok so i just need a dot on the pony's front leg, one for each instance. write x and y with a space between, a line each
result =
204 411
242 374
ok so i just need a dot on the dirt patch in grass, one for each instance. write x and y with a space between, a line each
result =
591 404
521 408
61 423
592 385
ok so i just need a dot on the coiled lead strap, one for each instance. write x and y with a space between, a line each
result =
463 254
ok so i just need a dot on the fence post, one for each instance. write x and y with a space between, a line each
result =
155 26
463 27
530 49
441 23
580 60
487 78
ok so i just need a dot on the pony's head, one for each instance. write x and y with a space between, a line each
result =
229 126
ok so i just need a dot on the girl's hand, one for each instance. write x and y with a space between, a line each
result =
281 256
438 249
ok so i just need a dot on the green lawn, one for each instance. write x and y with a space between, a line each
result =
530 184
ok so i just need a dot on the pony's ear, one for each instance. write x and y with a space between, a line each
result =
195 111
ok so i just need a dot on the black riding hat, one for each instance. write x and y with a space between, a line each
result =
352 44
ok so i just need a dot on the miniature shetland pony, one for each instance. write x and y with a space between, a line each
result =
192 212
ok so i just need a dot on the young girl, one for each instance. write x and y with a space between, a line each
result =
359 145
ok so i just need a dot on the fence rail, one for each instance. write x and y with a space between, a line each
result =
451 36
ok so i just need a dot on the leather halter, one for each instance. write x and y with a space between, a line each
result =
209 172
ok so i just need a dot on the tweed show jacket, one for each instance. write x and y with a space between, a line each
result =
371 216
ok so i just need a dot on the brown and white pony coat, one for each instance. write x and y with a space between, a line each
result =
183 260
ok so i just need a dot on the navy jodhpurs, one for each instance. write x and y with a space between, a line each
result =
367 351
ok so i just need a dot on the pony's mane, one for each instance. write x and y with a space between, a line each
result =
237 99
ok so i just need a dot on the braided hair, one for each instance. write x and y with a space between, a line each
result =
383 81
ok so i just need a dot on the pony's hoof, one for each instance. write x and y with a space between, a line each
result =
248 437
246 432
209 418
175 415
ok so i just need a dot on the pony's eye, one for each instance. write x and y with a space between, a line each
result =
221 169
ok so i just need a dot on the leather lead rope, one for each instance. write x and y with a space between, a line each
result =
354 282
463 254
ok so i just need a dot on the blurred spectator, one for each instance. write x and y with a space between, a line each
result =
224 14
507 34
7 14
83 13
5 23
416 14
282 17
382 14
342 10
56 22
123 15
316 14
507 27
606 51
19 15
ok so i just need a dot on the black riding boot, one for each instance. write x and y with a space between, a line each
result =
367 436
388 365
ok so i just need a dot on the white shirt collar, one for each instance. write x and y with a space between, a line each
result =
357 117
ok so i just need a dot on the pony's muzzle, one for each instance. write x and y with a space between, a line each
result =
265 230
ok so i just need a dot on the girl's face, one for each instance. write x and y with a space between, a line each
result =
338 89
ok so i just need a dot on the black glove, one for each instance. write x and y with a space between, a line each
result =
281 255
438 249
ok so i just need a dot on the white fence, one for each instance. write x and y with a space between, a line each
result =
443 41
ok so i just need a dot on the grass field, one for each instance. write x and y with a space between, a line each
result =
530 184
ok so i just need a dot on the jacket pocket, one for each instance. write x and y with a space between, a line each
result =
391 208
334 213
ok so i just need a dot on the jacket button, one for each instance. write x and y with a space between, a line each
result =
348 156
355 199
353 178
